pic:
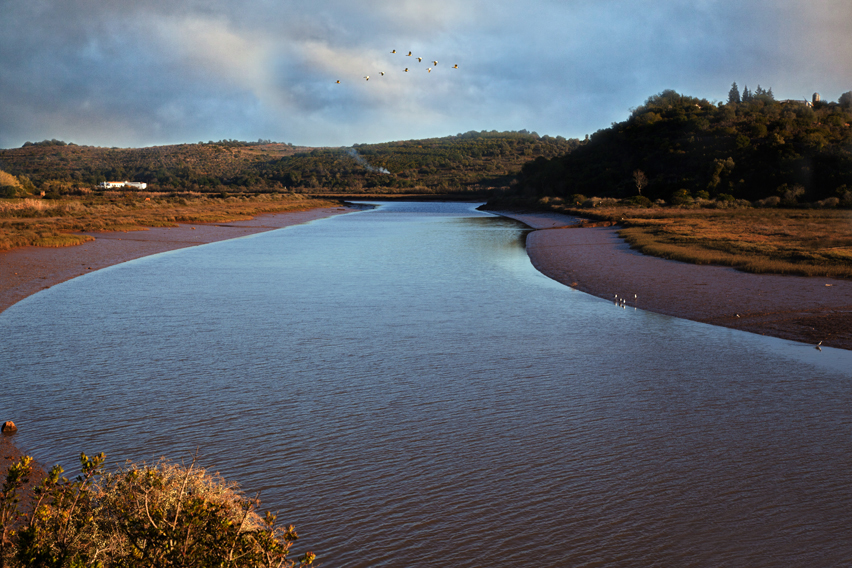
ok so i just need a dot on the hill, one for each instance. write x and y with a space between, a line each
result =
688 148
462 163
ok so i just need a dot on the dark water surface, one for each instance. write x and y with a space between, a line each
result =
404 387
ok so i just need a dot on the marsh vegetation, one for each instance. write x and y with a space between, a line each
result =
54 222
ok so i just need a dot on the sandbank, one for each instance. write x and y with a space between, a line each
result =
597 261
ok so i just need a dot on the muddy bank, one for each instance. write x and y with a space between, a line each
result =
27 270
598 262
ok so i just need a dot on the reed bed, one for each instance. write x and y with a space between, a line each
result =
55 222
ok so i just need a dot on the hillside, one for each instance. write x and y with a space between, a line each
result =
689 148
461 163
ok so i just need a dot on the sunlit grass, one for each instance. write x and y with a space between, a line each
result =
52 223
807 242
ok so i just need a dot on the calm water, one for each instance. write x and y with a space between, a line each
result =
404 387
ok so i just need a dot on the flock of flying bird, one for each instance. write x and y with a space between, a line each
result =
419 59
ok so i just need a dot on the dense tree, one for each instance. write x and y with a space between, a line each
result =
734 94
747 151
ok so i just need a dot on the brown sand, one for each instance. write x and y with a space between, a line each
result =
598 262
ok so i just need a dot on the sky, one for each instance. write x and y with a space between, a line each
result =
132 73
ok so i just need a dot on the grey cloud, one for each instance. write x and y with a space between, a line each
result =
141 72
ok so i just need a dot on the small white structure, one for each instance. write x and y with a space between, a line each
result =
112 184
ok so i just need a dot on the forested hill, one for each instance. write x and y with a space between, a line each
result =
684 146
461 163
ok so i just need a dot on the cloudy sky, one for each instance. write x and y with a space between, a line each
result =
149 72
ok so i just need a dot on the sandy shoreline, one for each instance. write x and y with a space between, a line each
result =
597 261
27 270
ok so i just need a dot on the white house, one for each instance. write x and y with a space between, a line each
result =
133 184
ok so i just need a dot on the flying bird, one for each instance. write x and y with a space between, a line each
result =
419 59
409 54
394 51
338 81
456 66
434 63
367 77
406 69
383 73
429 70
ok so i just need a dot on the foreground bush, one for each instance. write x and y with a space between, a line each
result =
165 515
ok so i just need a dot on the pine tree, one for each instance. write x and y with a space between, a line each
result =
747 96
734 94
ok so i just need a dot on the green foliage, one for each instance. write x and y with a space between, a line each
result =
157 516
745 149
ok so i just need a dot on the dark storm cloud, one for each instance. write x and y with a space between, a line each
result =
150 71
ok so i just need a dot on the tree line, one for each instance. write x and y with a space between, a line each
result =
752 149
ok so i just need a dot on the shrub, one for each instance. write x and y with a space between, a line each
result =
772 201
158 516
640 201
829 202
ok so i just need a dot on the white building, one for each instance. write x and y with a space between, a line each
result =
112 184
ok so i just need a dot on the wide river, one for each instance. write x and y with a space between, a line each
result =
403 386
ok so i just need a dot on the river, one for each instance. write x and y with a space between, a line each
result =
403 386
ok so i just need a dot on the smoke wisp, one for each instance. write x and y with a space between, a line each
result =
360 159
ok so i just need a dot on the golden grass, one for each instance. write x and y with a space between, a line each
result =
806 242
52 223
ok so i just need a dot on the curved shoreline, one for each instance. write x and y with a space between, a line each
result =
597 261
28 270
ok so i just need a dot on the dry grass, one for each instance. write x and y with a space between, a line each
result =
52 223
807 242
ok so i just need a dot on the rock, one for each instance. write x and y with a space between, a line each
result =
9 427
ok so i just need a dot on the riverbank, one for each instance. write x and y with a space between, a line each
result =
597 261
27 270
